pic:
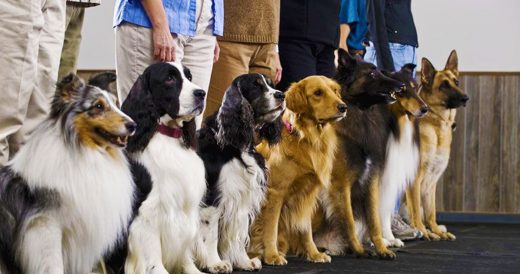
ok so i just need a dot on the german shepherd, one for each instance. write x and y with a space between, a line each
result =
441 91
359 164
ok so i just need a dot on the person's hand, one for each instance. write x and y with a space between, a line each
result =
216 52
163 44
278 68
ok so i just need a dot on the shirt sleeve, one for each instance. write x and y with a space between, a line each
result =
348 13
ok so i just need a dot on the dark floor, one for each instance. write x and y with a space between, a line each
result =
479 248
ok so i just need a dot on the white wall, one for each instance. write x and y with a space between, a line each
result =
485 33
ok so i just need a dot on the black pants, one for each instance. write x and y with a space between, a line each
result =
301 59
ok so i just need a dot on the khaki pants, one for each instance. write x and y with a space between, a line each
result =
31 39
72 41
236 59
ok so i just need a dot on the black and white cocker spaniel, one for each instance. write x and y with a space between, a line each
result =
168 224
235 171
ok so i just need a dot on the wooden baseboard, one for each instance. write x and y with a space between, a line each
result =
463 217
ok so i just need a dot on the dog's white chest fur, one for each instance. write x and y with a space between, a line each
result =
244 186
402 161
402 158
95 191
173 204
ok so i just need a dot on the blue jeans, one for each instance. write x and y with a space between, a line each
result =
401 54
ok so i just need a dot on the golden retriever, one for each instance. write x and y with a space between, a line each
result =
299 168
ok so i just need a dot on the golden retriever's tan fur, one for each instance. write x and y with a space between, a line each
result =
299 167
441 92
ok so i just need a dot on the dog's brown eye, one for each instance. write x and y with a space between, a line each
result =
318 93
170 79
99 106
372 74
445 84
456 82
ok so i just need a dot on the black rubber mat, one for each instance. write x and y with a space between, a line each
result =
479 248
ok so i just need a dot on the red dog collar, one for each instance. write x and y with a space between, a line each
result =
173 132
288 126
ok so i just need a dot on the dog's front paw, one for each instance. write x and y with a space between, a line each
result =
221 267
447 236
158 270
319 257
386 254
395 243
275 259
253 265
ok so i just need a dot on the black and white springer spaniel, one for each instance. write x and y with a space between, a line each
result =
168 234
236 173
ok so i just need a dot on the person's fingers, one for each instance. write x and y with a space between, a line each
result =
167 54
162 56
278 77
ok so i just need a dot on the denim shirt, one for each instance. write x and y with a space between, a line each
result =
181 15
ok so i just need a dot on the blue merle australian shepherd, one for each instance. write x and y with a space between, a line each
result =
66 196
236 173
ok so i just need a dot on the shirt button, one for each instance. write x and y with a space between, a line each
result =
395 31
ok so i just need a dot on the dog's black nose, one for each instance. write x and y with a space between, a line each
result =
424 109
279 95
199 93
131 126
342 108
465 98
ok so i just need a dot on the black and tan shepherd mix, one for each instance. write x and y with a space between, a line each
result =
441 91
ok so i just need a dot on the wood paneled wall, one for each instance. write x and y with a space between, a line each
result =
483 174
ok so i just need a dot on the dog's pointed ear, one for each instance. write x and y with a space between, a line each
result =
235 119
345 60
271 132
453 63
140 107
409 68
427 72
103 80
296 99
69 87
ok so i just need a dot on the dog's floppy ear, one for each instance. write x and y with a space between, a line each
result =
408 68
453 63
296 99
235 119
271 132
140 107
427 72
189 134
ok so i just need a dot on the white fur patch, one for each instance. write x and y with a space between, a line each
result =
242 190
164 232
402 161
96 203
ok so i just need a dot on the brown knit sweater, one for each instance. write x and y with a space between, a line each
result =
251 21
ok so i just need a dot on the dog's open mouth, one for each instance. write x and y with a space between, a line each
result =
118 140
